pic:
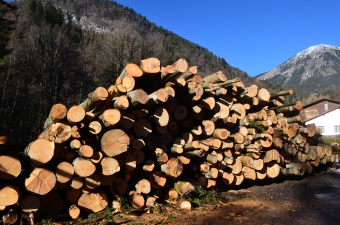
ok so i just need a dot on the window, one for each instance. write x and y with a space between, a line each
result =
337 128
322 128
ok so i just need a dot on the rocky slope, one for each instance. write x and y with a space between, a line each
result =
309 71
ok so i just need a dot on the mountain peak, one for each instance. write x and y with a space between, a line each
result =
312 66
317 49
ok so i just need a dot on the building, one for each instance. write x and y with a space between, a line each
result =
325 114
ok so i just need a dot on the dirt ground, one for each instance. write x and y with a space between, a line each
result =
308 200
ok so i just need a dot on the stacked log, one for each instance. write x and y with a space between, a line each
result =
155 131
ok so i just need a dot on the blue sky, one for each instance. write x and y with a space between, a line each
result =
254 36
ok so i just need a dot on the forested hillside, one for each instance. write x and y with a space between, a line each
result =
49 57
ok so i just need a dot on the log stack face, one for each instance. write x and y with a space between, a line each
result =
156 127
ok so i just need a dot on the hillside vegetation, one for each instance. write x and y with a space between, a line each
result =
49 59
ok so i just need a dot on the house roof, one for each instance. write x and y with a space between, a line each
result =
321 100
322 114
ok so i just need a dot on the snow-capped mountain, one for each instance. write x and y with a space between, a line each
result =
316 67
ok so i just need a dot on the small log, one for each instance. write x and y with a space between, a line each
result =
221 133
110 166
258 164
246 160
208 103
173 168
125 84
208 127
189 73
249 173
10 217
138 97
150 65
273 170
100 94
10 167
41 181
115 142
221 111
212 173
281 93
75 114
263 95
74 211
137 200
30 204
143 186
149 165
92 182
77 183
110 117
236 166
157 180
239 178
158 97
121 103
166 71
184 204
58 113
86 151
93 202
161 117
83 167
171 195
64 172
238 110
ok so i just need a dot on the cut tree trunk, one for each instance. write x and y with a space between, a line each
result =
41 181
64 172
75 114
8 196
40 151
93 202
100 94
83 167
115 142
58 113
150 65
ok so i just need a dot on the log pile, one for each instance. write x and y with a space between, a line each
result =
152 135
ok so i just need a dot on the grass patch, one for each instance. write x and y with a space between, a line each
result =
204 197
125 205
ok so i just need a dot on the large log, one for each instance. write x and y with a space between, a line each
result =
40 151
8 196
41 181
115 142
150 65
93 202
